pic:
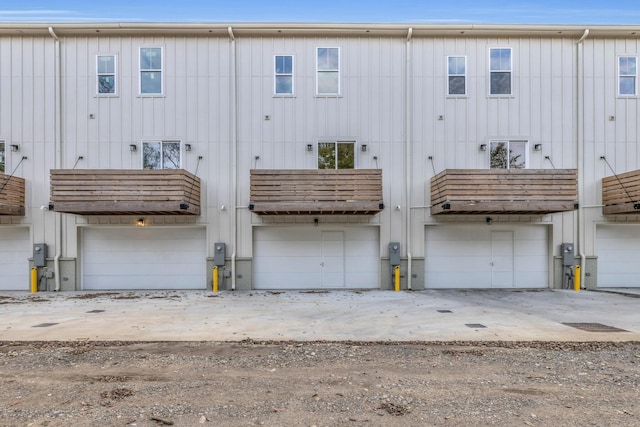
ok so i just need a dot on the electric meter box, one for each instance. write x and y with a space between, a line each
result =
219 254
39 255
568 258
394 253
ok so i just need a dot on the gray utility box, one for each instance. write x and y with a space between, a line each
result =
568 257
394 253
219 254
39 255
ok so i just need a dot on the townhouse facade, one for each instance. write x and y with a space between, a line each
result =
318 156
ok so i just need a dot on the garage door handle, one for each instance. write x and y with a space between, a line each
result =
322 264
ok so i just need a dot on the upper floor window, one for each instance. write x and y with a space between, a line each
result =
106 74
336 155
283 75
508 154
151 70
500 70
328 71
2 145
457 73
161 155
627 75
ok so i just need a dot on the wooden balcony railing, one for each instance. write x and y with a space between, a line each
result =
316 191
125 192
621 194
504 191
11 195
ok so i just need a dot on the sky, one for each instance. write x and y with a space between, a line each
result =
600 12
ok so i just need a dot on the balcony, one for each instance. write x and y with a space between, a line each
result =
504 191
621 194
125 192
316 191
11 195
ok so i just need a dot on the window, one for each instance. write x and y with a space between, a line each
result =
151 70
2 145
161 155
457 72
500 71
106 72
336 155
283 80
508 154
328 71
627 75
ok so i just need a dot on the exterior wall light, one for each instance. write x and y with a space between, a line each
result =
140 222
309 147
15 148
537 147
363 147
482 147
187 147
133 147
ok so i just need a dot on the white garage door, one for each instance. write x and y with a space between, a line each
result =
143 258
618 250
313 258
486 256
15 251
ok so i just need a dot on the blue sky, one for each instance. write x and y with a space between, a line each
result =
357 11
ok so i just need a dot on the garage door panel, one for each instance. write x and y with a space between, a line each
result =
15 250
481 256
618 250
149 258
307 258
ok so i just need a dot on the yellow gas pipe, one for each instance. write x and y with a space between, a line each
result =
34 280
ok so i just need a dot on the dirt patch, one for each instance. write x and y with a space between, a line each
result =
318 383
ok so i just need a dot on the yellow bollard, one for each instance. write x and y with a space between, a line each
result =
34 280
576 279
215 279
397 278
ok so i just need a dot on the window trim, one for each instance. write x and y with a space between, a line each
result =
160 70
115 75
509 141
449 75
337 70
276 75
620 75
336 142
161 141
510 71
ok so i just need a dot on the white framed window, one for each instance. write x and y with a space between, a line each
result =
161 155
627 76
151 61
456 75
2 156
327 71
336 155
283 75
500 71
106 75
508 154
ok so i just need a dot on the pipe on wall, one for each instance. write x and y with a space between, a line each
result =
58 152
234 153
580 151
408 154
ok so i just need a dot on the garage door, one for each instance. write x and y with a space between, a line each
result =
313 258
15 251
486 256
143 258
618 251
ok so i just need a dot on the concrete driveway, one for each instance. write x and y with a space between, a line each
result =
433 315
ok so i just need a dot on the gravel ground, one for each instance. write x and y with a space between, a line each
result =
319 384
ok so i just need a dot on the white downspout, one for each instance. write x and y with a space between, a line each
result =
58 153
580 152
234 155
408 123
